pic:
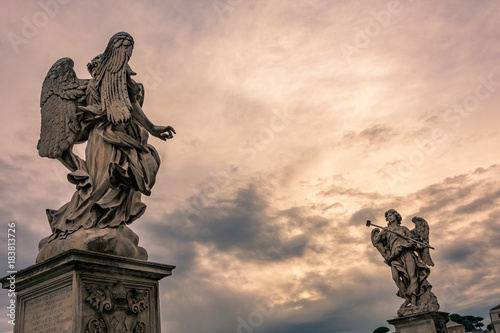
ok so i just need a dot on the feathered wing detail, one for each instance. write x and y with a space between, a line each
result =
384 251
421 233
62 92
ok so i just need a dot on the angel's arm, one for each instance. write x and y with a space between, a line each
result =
378 241
379 236
161 132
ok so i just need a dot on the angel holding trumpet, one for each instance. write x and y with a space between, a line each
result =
407 253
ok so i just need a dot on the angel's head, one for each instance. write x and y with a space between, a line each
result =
121 42
393 214
118 51
115 57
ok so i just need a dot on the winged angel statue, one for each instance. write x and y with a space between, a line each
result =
106 112
407 253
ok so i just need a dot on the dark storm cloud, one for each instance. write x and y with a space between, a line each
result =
469 254
365 214
298 216
244 225
439 196
457 253
492 228
485 201
480 193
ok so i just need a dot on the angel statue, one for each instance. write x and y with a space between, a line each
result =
106 112
407 253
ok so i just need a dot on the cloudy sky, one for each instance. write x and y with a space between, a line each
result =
296 122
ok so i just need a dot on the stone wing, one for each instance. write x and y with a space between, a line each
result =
421 233
424 230
425 256
61 93
384 251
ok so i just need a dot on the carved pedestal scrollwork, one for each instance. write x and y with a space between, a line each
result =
140 327
95 326
117 309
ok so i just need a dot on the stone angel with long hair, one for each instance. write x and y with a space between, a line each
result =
119 166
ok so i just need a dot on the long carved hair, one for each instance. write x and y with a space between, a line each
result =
109 72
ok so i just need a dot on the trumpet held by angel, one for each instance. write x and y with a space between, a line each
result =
106 112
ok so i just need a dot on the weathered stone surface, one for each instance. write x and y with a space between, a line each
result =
120 241
428 322
119 166
407 253
86 292
51 311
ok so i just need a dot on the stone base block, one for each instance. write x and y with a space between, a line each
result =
88 292
426 322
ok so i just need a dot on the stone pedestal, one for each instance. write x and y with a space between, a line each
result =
426 322
87 292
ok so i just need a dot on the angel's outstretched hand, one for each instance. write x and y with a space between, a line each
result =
163 132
